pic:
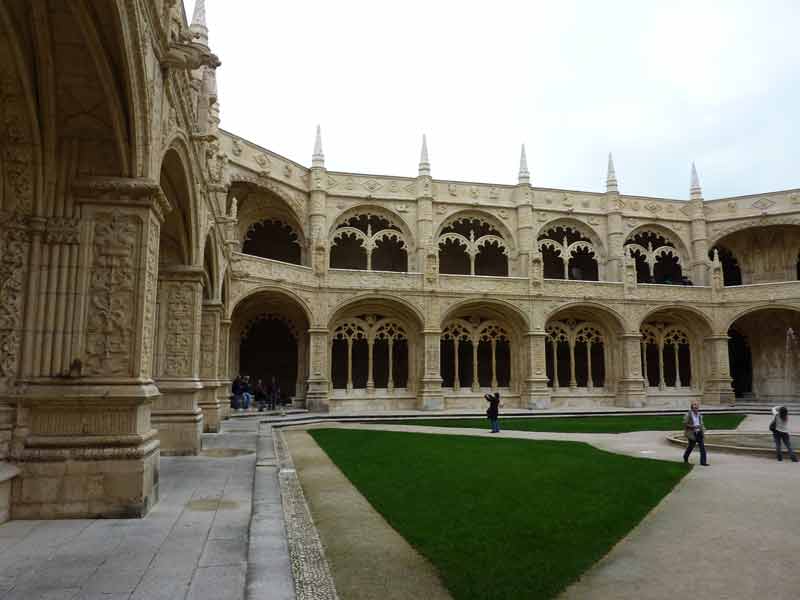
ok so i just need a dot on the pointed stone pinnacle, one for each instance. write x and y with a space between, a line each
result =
696 191
424 163
198 26
611 177
524 174
318 158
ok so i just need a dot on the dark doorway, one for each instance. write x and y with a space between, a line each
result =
741 363
270 349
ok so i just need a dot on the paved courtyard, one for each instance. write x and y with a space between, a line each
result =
192 545
730 524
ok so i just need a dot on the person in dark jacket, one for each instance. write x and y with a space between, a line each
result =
493 412
274 393
236 393
260 395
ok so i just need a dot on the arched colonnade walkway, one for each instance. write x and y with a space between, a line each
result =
377 353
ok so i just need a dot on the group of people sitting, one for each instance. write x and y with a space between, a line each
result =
245 394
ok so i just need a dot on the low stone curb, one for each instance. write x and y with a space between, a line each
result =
269 571
312 576
680 440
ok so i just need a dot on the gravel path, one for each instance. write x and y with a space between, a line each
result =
367 557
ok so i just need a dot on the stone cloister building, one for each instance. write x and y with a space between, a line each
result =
146 257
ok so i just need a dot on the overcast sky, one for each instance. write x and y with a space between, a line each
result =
658 83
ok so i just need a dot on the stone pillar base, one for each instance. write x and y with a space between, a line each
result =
631 394
85 451
317 396
224 400
539 395
431 397
210 406
178 418
719 392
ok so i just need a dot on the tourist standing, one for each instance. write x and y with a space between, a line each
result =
236 391
493 412
247 392
260 395
780 432
274 393
695 430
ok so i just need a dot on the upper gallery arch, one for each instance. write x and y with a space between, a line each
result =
372 238
474 243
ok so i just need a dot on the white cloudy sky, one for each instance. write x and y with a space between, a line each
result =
659 83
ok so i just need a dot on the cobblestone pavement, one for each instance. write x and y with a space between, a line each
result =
193 544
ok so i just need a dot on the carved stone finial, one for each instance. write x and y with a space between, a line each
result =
524 174
611 177
318 158
424 163
696 191
198 26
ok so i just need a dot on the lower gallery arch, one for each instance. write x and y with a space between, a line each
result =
764 355
673 345
373 356
269 339
481 352
579 349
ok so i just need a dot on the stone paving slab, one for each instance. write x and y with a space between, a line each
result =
193 544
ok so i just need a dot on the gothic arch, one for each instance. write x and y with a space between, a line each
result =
269 224
497 308
374 344
731 321
612 319
269 290
292 201
181 223
482 215
688 314
667 233
477 243
584 229
659 257
376 303
717 237
269 338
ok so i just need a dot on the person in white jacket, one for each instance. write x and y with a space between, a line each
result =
780 432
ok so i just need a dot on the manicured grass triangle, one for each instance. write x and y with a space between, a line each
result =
501 518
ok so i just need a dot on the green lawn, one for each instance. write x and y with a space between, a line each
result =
501 518
603 424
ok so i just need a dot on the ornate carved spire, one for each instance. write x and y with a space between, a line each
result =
198 26
524 174
318 158
611 177
424 163
696 190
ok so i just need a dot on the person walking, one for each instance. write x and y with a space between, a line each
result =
695 432
493 412
780 432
